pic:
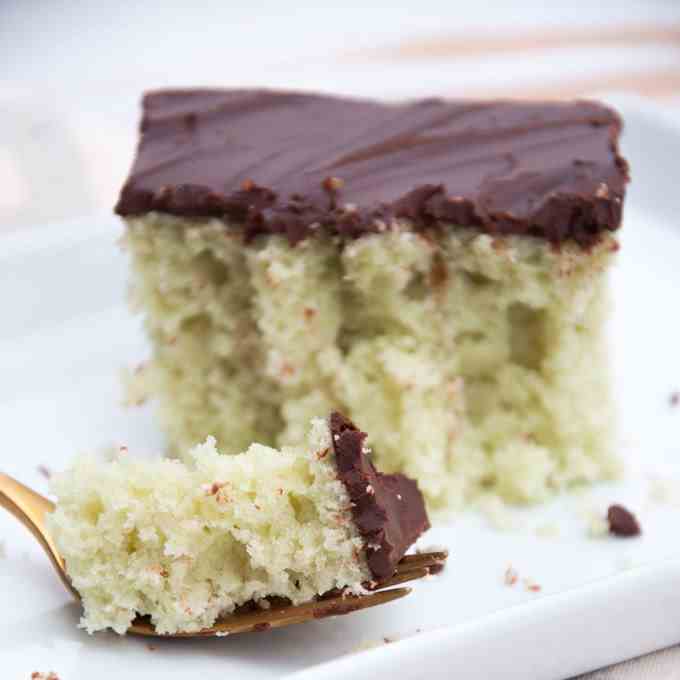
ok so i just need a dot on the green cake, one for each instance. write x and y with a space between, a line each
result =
437 270
186 544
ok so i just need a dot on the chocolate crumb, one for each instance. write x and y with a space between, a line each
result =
261 627
622 522
387 640
674 399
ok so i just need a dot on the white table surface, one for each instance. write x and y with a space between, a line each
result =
71 74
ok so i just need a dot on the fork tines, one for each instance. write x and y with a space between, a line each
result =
412 567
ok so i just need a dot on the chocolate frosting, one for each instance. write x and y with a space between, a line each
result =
388 510
287 163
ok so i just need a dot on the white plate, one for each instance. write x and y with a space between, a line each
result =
65 335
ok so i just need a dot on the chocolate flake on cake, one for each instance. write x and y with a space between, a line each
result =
388 526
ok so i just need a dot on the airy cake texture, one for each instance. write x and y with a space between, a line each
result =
435 268
476 363
187 543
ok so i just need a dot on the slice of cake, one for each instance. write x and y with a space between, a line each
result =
186 544
437 269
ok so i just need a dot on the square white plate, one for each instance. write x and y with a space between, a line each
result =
65 335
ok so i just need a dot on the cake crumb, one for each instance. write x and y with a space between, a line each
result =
44 471
511 576
532 587
151 648
665 491
674 399
135 385
366 645
550 530
622 522
597 526
309 313
44 676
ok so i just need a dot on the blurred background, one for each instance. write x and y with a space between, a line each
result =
72 72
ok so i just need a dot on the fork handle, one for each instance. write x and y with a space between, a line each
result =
31 509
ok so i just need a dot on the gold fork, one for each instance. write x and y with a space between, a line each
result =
30 508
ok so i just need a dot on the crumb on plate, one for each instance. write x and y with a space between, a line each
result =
511 576
549 530
597 525
531 586
622 522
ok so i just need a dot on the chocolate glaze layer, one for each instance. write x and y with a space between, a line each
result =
388 510
286 162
